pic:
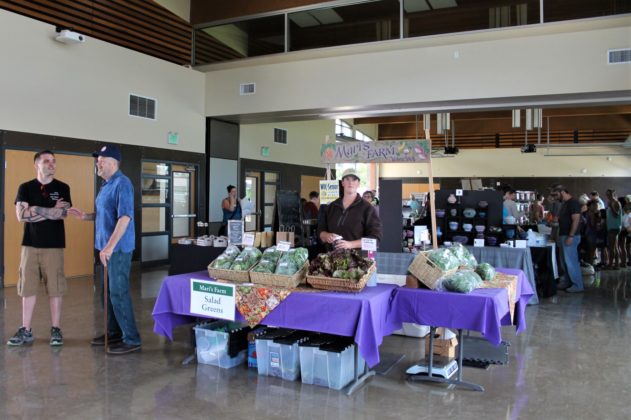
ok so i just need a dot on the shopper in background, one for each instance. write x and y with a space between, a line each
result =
311 207
115 239
626 231
535 210
231 208
369 196
614 225
350 217
510 207
42 205
570 239
594 196
595 234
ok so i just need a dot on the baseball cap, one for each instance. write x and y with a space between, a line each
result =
350 172
109 150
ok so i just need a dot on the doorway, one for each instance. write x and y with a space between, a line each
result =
76 171
252 189
169 203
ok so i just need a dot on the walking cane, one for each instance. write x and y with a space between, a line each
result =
105 306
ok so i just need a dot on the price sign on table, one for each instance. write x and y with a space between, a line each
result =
369 244
283 246
248 239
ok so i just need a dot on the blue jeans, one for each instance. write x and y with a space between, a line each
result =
571 260
120 312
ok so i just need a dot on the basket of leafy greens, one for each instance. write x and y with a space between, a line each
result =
237 271
342 269
289 271
430 266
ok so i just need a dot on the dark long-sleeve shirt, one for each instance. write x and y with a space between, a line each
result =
359 220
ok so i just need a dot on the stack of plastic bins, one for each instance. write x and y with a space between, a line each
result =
331 364
284 357
307 358
213 343
263 341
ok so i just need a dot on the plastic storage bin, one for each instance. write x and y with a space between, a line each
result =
280 357
213 342
331 365
262 342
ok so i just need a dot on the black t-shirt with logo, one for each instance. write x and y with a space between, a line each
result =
47 233
568 208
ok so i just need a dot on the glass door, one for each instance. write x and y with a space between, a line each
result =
252 180
183 203
271 183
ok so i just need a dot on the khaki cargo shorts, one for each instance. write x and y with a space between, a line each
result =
45 265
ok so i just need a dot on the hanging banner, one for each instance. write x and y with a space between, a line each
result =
329 191
375 151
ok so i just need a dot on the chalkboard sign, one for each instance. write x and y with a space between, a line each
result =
290 213
235 232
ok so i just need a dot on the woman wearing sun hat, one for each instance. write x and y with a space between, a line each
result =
349 217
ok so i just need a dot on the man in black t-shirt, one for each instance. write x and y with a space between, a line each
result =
569 240
42 205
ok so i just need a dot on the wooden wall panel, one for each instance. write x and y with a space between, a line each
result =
140 25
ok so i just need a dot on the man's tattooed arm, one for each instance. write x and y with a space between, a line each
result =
34 214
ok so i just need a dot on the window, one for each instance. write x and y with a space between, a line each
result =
362 137
343 129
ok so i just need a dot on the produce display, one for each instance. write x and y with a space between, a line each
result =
443 258
463 281
226 258
340 263
292 261
485 271
246 259
465 258
268 261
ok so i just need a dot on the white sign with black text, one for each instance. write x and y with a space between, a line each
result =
369 244
212 299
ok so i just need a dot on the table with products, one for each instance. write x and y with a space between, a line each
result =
482 310
519 258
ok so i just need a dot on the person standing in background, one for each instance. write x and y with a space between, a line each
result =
594 196
614 225
116 240
535 211
231 208
570 239
311 207
510 207
42 205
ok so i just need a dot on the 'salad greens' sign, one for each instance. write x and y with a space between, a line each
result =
376 151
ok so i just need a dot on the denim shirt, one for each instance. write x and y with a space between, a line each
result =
115 200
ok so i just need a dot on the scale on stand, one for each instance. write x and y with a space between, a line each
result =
442 366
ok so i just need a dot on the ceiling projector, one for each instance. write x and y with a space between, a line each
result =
69 37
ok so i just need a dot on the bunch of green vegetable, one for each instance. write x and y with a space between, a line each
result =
486 271
292 261
246 259
443 258
226 258
340 263
268 261
465 258
462 281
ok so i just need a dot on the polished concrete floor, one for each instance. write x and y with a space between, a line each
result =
572 363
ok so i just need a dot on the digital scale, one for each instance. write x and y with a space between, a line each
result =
442 366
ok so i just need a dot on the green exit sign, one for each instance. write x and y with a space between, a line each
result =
172 138
265 151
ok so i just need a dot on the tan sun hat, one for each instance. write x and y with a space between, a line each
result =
350 172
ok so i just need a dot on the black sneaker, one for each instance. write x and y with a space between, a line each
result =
122 348
56 339
21 337
111 339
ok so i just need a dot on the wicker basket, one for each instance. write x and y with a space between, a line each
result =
230 275
426 271
289 282
342 285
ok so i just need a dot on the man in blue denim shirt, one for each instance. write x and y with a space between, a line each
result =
115 239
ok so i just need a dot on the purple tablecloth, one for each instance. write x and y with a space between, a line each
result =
359 315
483 310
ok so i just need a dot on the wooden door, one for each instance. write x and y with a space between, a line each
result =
76 171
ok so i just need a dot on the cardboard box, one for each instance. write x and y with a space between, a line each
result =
442 347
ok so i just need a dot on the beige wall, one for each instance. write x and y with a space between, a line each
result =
551 59
81 90
182 8
303 141
513 163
